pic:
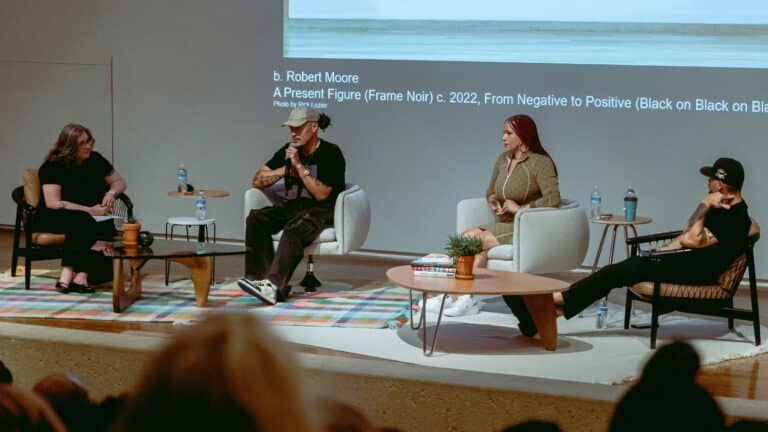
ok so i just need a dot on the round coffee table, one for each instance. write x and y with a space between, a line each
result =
535 290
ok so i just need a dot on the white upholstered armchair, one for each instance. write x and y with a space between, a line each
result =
545 240
351 220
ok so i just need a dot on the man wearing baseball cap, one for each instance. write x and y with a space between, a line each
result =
716 234
313 173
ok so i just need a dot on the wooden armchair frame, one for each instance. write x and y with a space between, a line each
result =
40 245
711 300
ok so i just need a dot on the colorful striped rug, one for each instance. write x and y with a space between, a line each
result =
370 306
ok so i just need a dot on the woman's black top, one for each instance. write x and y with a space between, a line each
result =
82 184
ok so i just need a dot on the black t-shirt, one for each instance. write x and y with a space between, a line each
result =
731 229
81 184
326 164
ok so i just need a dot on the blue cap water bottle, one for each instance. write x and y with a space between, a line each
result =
630 205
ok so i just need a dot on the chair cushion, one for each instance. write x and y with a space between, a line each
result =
503 252
326 235
728 283
47 239
31 183
671 290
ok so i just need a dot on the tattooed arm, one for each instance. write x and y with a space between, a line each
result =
695 235
314 186
267 177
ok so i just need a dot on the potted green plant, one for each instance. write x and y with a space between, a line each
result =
131 229
463 250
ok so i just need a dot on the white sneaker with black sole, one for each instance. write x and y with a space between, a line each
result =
433 303
263 289
463 306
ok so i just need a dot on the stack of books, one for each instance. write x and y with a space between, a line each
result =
434 265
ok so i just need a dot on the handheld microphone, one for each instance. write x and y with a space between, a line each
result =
288 163
288 180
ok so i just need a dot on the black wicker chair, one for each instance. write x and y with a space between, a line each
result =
40 245
712 300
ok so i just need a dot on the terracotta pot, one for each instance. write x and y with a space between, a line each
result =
464 267
131 234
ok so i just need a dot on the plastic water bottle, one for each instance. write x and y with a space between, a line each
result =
602 314
181 176
630 205
200 248
200 206
596 201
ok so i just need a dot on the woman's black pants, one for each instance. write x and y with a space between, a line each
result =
81 232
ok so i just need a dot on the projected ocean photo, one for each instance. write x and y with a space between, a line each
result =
705 33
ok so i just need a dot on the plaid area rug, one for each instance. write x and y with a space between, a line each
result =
370 306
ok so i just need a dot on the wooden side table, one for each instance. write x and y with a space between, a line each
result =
202 226
615 222
209 193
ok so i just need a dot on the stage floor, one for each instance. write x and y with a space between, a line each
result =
742 379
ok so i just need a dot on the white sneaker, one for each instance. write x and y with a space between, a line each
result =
433 303
463 306
262 289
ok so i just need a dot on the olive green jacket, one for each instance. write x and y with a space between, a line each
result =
532 181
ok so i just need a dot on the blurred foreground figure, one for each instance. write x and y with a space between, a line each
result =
667 397
22 411
227 373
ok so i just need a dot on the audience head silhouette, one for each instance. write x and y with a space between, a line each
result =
673 365
68 398
23 411
667 396
227 373
533 426
5 374
338 416
748 426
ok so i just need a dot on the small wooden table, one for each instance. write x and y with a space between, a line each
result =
615 222
536 291
209 193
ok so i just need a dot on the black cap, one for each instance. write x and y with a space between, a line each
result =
727 170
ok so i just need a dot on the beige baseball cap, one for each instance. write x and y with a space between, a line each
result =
301 115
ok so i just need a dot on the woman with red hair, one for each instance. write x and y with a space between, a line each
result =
524 176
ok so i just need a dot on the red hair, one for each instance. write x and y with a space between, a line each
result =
525 129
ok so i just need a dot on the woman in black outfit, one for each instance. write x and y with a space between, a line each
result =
79 184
